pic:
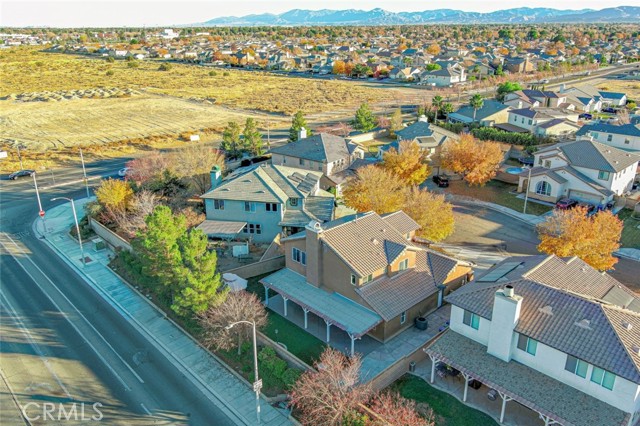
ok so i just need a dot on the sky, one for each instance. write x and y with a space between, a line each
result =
138 13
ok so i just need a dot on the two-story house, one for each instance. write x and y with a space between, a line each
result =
445 76
583 170
364 275
491 113
552 334
328 154
261 201
625 136
534 98
542 121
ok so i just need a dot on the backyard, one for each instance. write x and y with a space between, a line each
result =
447 409
631 232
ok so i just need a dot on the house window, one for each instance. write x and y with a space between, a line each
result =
527 344
609 138
403 317
602 175
603 378
540 161
403 265
368 278
293 201
530 122
271 207
252 228
218 204
547 164
543 188
249 207
576 366
471 319
284 160
302 161
299 256
627 141
354 280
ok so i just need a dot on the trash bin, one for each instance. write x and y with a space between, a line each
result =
412 366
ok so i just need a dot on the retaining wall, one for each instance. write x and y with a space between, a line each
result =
114 240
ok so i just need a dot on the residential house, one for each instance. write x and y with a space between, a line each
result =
261 201
613 98
518 65
542 121
328 154
584 99
404 74
583 170
534 98
552 334
445 76
625 136
362 274
491 113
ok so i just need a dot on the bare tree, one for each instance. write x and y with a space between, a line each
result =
144 169
195 163
240 306
339 129
623 116
133 219
394 410
326 396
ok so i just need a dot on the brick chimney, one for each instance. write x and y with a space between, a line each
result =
506 312
314 253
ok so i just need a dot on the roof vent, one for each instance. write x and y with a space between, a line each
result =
247 181
547 310
508 291
584 269
374 241
383 230
627 325
636 349
584 323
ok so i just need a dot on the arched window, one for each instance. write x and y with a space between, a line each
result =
543 188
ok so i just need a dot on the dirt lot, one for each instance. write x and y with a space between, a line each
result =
630 87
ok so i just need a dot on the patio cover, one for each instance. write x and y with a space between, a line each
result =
344 313
533 389
220 228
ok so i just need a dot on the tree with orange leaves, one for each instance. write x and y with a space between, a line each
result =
408 162
338 67
477 161
374 188
573 233
434 49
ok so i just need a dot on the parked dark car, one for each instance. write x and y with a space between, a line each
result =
21 173
609 110
566 204
590 207
585 116
441 181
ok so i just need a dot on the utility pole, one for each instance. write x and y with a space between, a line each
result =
84 174
40 211
20 157
526 193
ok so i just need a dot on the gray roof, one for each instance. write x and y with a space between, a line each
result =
624 129
554 175
535 390
266 183
221 228
595 155
419 128
342 312
489 108
390 296
583 322
539 171
322 147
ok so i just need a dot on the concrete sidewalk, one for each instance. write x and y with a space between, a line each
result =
217 382
530 219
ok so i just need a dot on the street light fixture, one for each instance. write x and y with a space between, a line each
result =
75 218
526 193
257 384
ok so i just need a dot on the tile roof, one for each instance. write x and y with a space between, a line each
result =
489 108
401 221
595 155
322 147
624 129
580 301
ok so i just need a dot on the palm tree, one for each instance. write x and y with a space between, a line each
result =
436 102
476 103
447 109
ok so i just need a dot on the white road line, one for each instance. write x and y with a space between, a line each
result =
78 312
145 409
45 360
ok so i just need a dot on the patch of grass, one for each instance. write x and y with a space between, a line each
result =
499 193
630 232
300 343
447 409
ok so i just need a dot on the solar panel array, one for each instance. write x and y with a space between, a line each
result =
499 272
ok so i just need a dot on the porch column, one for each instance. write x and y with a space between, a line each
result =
285 305
548 421
353 339
266 295
433 368
306 311
466 386
328 330
505 399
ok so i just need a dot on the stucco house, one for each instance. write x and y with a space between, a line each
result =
626 136
444 77
542 121
364 275
328 154
534 98
552 334
583 170
491 113
261 201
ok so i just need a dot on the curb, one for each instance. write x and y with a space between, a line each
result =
491 207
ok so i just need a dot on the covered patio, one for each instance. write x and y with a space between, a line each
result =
332 308
554 402
221 229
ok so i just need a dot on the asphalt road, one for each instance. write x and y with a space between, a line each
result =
493 232
80 349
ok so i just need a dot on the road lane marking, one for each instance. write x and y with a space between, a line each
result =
4 302
127 388
145 409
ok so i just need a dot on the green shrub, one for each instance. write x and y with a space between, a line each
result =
226 74
164 67
110 59
452 127
213 73
524 139
133 64
110 72
290 377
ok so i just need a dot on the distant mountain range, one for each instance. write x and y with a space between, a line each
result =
524 15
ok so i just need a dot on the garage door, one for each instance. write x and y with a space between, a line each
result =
585 197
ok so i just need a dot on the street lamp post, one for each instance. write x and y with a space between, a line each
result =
257 384
75 218
84 174
20 156
526 192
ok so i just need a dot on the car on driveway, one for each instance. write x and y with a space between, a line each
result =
586 116
21 173
566 204
609 110
441 181
590 207
124 172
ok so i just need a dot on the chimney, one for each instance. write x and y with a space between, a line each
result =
302 133
506 312
216 176
314 253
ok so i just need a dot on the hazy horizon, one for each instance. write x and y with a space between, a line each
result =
141 13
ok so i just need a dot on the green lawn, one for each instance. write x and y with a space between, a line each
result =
447 409
631 232
499 193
